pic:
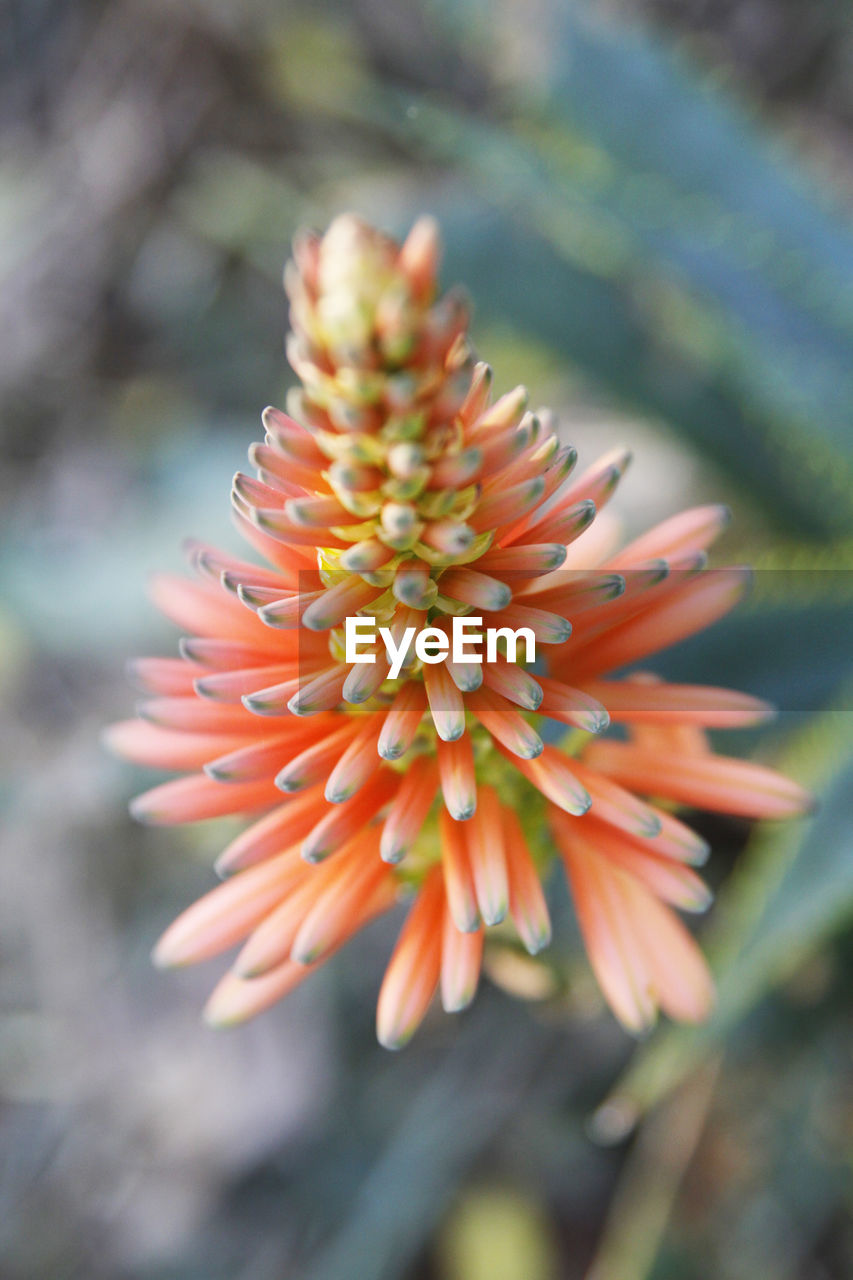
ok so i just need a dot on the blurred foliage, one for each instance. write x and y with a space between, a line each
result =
651 223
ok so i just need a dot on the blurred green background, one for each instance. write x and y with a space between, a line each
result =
649 201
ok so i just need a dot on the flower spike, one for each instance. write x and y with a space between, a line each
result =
395 494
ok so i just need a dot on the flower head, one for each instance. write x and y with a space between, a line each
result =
396 490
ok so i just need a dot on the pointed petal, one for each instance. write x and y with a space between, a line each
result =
358 763
689 606
409 808
682 534
470 586
550 773
321 693
446 705
235 1000
617 805
513 682
402 721
332 917
572 706
196 715
527 904
456 767
458 877
629 700
228 913
168 677
159 748
233 686
504 722
617 958
197 796
347 818
461 957
312 764
413 971
485 845
719 783
289 822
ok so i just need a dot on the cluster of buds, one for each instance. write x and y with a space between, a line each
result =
396 491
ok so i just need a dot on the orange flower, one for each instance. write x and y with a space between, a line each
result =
396 491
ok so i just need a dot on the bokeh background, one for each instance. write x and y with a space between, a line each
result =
650 202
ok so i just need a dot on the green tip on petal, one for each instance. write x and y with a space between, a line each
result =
396 1042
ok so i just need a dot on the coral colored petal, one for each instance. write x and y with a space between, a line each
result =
272 940
402 721
690 606
207 610
263 757
461 958
321 693
311 765
659 703
229 912
505 723
211 563
413 971
548 628
409 808
485 844
671 881
616 805
471 586
682 982
529 560
527 904
336 602
575 593
344 819
562 525
159 748
197 796
718 783
167 677
456 767
331 918
358 762
508 504
446 705
677 840
458 878
617 961
514 683
221 655
234 1000
196 715
290 821
598 483
550 773
233 686
682 534
573 706
364 680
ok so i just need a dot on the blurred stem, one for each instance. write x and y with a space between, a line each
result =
653 1173
444 1129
